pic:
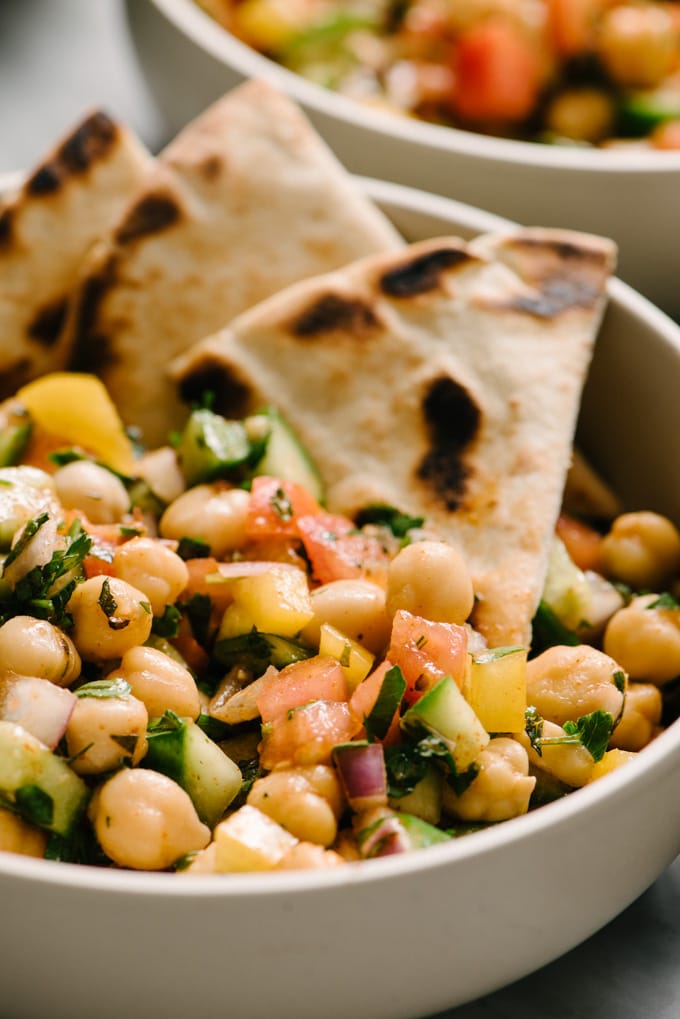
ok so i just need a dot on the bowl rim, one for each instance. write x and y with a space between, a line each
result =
219 43
663 752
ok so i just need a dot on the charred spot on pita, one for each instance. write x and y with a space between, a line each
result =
154 213
422 273
48 322
332 313
6 227
452 418
232 394
92 350
88 143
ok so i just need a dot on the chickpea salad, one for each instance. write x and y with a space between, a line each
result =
205 671
589 72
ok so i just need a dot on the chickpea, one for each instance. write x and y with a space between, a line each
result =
565 683
356 608
18 836
583 114
289 799
636 44
86 486
641 717
430 579
570 763
145 821
34 647
162 683
103 733
642 550
502 788
645 640
153 568
215 514
108 621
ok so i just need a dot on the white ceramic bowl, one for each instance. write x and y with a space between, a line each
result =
400 937
632 196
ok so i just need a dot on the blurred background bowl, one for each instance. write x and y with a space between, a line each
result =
403 936
628 194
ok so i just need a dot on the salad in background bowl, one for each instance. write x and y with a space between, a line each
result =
626 191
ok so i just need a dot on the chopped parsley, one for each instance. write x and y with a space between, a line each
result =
591 731
665 601
387 516
109 606
193 548
104 689
167 625
392 688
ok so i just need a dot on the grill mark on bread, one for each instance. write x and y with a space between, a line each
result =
90 142
92 351
6 227
152 214
332 313
422 273
453 419
48 322
233 395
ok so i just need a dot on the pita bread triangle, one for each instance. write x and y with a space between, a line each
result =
46 228
244 201
444 380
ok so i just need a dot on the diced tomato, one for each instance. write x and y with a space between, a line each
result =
318 678
275 506
338 551
362 701
498 72
307 735
426 651
667 136
583 543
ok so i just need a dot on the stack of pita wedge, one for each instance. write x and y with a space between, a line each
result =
442 378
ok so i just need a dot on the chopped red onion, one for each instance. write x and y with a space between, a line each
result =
361 767
385 838
38 706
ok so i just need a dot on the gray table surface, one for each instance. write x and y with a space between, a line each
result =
61 57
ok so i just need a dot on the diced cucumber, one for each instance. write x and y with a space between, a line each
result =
211 447
256 651
444 713
13 442
566 589
285 457
181 750
420 833
640 112
36 783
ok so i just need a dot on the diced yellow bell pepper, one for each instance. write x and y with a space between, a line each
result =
355 660
612 760
277 601
249 840
78 408
496 688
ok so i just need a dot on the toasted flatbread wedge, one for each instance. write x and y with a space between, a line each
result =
246 200
444 380
47 227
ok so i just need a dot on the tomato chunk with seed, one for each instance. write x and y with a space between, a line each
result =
498 73
318 678
338 551
306 735
275 506
426 651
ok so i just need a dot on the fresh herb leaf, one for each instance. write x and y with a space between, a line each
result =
127 741
80 846
108 604
593 731
198 610
105 689
167 625
534 728
256 651
168 722
30 530
35 805
392 688
460 781
619 679
193 548
548 630
405 767
387 516
665 601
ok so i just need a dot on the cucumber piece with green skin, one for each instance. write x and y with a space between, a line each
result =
181 750
444 714
13 442
285 457
641 112
38 784
420 833
211 447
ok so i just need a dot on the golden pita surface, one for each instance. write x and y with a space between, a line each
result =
444 380
246 200
47 227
